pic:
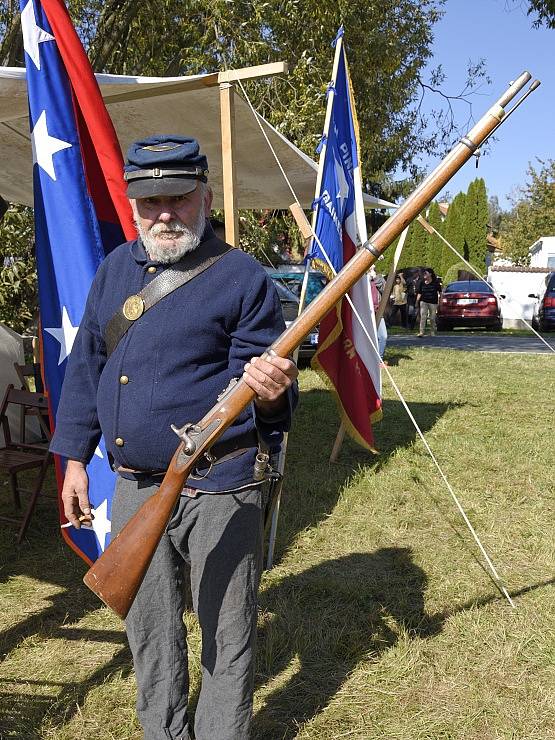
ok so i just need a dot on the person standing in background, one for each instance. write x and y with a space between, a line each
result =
399 301
427 298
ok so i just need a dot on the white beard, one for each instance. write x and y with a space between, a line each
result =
169 250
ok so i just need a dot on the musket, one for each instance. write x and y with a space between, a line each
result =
117 574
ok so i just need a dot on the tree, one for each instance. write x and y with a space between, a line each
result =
533 214
544 10
434 245
391 44
388 44
18 286
476 224
495 214
454 232
411 254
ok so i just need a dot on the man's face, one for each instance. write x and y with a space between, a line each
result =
171 226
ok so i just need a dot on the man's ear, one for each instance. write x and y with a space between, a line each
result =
208 197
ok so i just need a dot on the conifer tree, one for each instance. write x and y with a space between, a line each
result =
419 245
454 232
476 224
434 245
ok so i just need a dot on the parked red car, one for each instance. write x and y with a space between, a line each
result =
468 303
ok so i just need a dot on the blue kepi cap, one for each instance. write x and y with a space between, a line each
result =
166 164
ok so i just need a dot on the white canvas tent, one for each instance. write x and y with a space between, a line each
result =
11 350
139 106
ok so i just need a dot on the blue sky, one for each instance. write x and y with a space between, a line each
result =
500 32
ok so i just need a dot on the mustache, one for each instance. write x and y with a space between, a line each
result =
172 227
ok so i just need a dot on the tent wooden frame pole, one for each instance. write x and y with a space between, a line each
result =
225 81
340 436
229 172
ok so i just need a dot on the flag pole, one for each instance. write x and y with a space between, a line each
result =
307 232
340 437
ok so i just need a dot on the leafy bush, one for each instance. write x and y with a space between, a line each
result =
18 276
452 273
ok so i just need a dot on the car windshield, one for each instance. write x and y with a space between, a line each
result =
284 293
294 282
468 286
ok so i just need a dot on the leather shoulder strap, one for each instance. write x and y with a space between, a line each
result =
135 306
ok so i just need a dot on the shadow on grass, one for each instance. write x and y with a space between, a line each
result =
313 487
44 558
394 359
22 712
312 484
320 624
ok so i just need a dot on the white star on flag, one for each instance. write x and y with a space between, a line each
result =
45 146
33 35
101 524
65 335
343 183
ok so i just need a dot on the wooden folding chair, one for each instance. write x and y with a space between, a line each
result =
31 380
18 456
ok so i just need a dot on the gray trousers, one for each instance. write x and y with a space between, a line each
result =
220 537
428 310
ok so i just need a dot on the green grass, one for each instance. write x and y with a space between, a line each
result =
379 620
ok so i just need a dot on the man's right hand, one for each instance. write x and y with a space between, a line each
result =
75 494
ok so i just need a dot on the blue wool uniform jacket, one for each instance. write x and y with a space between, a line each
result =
178 357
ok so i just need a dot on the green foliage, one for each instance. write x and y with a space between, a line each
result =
543 11
18 285
533 214
392 42
452 273
495 214
410 255
420 244
270 236
434 245
454 232
476 224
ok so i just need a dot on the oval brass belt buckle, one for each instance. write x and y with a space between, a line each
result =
133 307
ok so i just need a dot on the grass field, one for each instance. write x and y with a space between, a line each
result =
379 620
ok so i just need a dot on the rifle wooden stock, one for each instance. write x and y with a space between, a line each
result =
116 576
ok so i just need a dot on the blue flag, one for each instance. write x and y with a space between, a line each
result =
76 222
345 355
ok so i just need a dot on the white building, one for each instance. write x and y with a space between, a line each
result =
542 252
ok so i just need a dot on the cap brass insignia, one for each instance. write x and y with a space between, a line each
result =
133 307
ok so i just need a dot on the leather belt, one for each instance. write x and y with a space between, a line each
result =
221 451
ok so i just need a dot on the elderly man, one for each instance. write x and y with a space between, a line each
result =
153 352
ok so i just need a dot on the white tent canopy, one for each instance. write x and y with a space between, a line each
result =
141 106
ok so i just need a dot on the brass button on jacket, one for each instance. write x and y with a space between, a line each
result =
151 269
119 441
124 380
